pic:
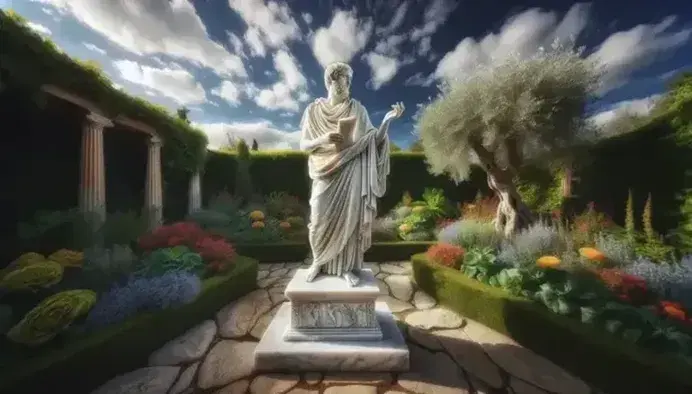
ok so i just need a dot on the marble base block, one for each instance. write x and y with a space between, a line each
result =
275 354
328 309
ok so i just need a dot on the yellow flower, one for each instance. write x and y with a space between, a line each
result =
258 224
257 215
418 209
592 254
548 262
404 228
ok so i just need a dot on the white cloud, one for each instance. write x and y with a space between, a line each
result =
424 46
286 93
672 73
396 22
38 28
640 107
175 83
307 17
228 91
418 79
236 43
94 48
342 39
267 136
383 68
434 16
625 51
168 27
269 24
389 45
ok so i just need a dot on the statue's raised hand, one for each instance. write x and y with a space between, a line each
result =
397 110
335 138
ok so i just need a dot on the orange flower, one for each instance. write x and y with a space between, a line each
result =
285 225
404 228
592 254
258 224
548 262
673 310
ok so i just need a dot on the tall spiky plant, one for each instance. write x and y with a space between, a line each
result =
629 217
647 218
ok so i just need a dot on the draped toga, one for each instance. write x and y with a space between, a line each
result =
345 184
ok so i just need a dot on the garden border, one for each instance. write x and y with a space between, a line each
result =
599 358
281 252
89 362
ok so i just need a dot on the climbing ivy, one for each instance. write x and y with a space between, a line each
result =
28 61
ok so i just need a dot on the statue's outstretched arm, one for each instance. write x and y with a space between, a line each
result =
382 131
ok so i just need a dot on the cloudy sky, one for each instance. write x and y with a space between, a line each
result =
251 66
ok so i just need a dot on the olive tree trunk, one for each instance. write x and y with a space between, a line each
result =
512 214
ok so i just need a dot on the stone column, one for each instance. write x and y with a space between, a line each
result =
567 182
154 188
195 193
92 185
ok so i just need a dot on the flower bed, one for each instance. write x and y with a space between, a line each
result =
606 361
85 361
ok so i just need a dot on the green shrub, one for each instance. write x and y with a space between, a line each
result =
471 233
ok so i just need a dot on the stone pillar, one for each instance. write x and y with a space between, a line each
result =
154 188
195 193
567 182
92 185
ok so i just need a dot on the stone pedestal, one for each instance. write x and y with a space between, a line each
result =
328 326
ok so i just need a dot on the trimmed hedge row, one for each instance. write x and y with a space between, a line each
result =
299 251
86 363
602 360
287 171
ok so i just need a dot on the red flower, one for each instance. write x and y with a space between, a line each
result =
446 254
674 310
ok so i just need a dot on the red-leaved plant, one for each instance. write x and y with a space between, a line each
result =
628 288
214 249
446 254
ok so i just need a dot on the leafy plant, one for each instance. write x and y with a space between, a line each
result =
207 218
481 264
143 294
471 233
446 254
630 229
435 202
104 266
482 209
281 205
537 240
385 229
176 259
587 225
616 250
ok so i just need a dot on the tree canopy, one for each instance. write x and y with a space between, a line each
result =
507 112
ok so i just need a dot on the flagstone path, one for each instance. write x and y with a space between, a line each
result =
450 354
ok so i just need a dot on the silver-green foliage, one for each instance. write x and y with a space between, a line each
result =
527 246
470 233
521 106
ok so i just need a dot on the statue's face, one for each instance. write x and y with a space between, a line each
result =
339 85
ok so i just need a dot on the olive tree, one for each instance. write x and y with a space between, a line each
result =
500 116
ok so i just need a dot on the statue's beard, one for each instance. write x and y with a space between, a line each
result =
338 93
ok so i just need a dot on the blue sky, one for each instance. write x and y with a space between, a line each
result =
249 67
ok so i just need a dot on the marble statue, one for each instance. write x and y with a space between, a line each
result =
348 164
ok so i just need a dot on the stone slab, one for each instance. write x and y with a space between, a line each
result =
338 321
331 288
390 354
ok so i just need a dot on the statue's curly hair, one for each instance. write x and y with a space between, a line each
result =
334 70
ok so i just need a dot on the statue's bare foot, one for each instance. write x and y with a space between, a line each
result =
351 279
313 271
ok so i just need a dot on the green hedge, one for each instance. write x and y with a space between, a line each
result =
600 359
85 364
647 161
298 251
287 171
28 60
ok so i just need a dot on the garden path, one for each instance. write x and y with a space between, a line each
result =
450 354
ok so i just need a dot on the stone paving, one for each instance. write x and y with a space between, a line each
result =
450 354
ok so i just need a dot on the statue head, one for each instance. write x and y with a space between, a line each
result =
337 80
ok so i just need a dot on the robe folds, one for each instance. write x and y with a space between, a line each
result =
345 184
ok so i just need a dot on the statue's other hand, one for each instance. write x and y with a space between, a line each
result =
396 112
335 138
